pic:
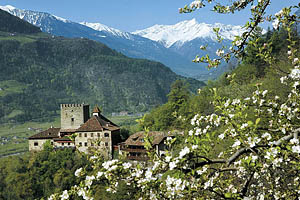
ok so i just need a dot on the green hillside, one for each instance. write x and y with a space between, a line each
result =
40 71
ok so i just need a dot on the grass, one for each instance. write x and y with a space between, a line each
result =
124 120
21 39
14 137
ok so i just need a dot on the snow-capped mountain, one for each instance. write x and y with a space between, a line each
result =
186 31
34 17
102 27
173 45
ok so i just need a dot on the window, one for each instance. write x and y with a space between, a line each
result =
92 144
51 143
69 144
80 135
98 134
36 144
92 134
80 144
106 134
72 121
85 135
106 144
62 144
85 144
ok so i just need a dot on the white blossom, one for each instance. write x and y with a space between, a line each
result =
275 24
236 143
296 149
221 136
64 195
196 4
183 152
127 165
78 172
295 74
89 180
220 52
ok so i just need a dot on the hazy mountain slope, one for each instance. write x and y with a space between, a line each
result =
40 71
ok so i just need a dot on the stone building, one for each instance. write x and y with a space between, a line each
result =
95 132
134 148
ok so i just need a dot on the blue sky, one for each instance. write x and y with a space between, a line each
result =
131 15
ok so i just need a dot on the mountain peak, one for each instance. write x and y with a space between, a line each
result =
186 31
7 8
102 27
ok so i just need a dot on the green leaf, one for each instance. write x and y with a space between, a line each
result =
257 121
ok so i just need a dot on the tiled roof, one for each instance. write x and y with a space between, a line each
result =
137 139
47 134
67 130
65 138
97 123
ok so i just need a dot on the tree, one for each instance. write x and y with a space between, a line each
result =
247 149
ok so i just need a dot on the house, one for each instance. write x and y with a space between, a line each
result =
95 132
134 148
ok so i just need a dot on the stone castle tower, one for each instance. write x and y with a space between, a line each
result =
73 115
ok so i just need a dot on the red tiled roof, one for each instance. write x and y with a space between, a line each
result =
97 123
137 139
47 134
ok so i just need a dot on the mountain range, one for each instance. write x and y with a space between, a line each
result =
173 45
39 71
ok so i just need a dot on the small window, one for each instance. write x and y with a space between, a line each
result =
51 143
80 135
85 135
72 119
36 144
92 134
85 144
62 144
69 144
80 144
106 134
98 134
106 144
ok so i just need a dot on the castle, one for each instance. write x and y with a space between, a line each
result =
95 132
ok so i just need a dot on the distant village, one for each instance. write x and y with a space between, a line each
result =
86 133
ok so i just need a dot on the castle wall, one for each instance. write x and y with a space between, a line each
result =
73 115
37 144
100 140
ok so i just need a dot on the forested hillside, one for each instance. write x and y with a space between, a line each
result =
15 25
39 71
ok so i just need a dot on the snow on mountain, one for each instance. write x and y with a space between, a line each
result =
186 31
102 27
